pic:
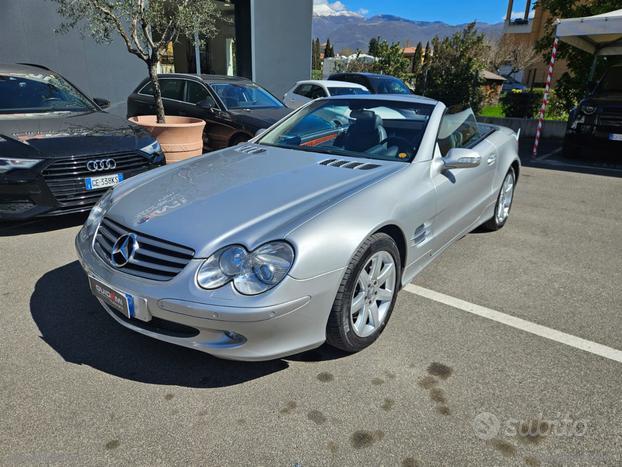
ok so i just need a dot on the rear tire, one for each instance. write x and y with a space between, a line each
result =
366 295
505 198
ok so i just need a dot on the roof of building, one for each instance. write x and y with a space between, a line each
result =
490 76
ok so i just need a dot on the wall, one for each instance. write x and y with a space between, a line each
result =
281 42
27 35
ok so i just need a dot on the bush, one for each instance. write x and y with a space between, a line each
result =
526 104
519 104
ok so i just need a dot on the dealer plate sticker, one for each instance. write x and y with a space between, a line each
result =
615 137
105 181
118 300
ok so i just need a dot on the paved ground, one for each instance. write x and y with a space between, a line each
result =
442 386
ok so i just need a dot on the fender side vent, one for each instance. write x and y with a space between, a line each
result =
348 164
250 149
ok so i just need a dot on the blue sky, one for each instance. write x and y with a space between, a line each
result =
448 11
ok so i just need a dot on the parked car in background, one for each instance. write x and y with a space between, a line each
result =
511 84
306 91
59 151
303 235
596 124
233 108
375 83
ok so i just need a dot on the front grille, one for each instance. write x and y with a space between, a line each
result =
155 259
610 116
66 177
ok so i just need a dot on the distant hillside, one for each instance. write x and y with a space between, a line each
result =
354 32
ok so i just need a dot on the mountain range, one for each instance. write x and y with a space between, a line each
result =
354 31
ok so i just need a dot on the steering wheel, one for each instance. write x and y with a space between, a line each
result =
403 145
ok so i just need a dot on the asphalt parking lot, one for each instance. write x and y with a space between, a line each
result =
445 384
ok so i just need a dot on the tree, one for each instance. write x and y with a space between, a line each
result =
145 26
373 46
510 51
391 60
315 54
571 85
417 64
453 75
328 50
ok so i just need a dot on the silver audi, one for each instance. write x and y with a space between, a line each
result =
302 236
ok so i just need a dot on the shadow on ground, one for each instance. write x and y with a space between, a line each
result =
42 224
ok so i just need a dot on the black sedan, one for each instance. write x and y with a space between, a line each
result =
234 108
59 151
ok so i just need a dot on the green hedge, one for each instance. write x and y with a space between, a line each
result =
526 104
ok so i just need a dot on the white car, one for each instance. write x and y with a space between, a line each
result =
305 91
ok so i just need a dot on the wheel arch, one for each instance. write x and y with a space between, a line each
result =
396 233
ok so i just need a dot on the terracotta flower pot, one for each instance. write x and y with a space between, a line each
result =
180 137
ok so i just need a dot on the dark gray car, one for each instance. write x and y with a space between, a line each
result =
233 108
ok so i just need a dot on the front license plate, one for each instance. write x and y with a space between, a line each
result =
615 137
105 181
118 300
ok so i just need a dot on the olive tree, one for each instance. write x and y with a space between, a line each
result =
145 26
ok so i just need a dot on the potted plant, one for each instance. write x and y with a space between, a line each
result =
147 27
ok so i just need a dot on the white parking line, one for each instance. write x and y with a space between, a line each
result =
518 323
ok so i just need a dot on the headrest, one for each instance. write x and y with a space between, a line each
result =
366 120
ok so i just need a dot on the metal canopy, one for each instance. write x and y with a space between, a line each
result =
598 35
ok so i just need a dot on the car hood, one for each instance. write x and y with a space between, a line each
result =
260 118
63 135
231 196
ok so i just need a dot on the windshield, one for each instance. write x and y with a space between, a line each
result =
390 85
22 93
370 128
612 82
245 96
340 91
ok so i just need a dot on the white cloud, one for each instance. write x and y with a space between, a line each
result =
337 8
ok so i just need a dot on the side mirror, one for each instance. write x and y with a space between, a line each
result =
461 158
261 131
206 104
102 103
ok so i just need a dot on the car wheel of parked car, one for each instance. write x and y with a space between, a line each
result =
366 295
504 203
237 139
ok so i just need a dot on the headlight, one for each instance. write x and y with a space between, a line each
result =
588 109
96 215
152 148
251 272
7 164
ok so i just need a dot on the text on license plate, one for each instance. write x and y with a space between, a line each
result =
615 137
94 183
120 301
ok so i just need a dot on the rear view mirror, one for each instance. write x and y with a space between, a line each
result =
461 158
102 103
206 104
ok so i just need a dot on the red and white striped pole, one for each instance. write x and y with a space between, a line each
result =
545 99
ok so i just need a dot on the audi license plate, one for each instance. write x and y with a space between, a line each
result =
118 300
615 137
104 181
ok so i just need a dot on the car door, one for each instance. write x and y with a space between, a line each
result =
200 103
299 96
462 194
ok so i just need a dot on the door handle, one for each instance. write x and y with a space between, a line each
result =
491 159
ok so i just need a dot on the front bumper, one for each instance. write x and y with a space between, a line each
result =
288 319
25 194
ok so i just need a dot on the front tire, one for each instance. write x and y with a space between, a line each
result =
366 295
504 203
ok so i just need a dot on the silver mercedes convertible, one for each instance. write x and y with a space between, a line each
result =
302 236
